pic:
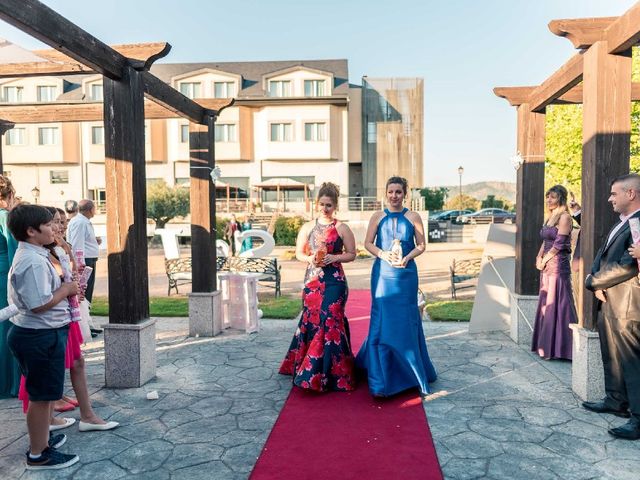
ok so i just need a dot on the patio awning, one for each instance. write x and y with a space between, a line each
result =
281 184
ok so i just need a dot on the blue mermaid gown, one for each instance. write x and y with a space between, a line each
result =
395 352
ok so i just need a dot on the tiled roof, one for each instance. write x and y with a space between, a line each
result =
252 72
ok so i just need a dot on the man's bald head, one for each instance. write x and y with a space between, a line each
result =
86 207
629 182
625 194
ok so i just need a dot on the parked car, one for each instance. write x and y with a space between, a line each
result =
488 215
449 215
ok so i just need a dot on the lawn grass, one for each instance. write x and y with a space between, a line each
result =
450 310
178 306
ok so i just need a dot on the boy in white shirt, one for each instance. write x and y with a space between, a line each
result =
38 336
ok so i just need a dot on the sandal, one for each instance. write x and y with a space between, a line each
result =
67 407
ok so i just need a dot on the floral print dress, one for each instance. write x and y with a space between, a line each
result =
320 357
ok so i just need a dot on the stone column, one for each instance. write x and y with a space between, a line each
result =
523 313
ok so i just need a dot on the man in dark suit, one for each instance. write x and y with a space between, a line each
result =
614 281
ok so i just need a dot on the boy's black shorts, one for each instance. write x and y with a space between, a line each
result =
40 353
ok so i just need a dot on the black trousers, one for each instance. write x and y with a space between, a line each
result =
620 346
90 262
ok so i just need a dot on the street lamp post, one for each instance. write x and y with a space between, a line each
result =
460 172
35 192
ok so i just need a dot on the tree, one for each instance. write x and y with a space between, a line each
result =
434 197
464 202
492 202
165 203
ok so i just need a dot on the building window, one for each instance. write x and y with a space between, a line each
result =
47 93
58 176
15 136
372 132
190 89
184 133
315 132
225 133
97 135
280 88
13 94
47 136
314 88
97 92
281 132
224 89
99 198
182 181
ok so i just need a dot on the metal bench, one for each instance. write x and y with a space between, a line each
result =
178 270
462 272
267 267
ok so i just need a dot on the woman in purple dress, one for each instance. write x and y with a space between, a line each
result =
556 310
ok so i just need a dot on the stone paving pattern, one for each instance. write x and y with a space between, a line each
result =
497 412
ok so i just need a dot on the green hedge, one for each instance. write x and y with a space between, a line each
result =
287 229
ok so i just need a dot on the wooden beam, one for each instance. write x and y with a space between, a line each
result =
624 33
173 100
581 32
126 198
530 199
605 154
560 82
142 55
92 112
48 26
518 95
203 206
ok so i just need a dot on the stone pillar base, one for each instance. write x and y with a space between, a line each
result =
587 374
205 314
519 330
129 354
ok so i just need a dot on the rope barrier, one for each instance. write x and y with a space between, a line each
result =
513 298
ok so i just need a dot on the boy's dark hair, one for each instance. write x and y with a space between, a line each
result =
24 216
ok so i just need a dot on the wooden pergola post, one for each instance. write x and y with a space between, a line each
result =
605 153
126 204
204 300
529 198
4 126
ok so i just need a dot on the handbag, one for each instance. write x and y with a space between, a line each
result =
85 321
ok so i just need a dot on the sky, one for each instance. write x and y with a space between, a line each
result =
462 49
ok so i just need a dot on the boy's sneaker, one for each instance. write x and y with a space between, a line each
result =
56 441
51 460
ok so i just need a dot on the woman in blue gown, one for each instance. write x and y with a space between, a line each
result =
395 352
9 369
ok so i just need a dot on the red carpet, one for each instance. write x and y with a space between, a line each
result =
350 435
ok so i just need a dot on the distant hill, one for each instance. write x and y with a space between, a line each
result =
480 190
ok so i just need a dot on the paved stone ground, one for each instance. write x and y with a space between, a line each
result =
497 412
500 412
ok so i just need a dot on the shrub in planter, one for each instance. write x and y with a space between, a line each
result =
221 225
286 230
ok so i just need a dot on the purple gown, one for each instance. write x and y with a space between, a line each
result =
556 310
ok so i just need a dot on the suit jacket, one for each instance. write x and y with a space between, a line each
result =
615 271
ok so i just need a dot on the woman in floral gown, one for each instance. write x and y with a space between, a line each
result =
320 357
